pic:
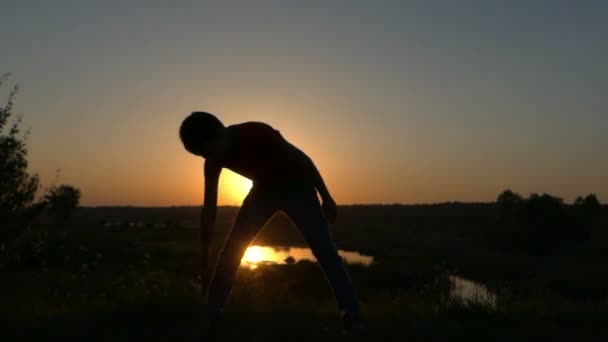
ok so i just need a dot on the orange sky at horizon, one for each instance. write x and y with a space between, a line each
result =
384 172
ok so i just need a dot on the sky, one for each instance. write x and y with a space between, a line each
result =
395 101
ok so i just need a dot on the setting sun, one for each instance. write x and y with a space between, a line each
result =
256 255
233 187
253 254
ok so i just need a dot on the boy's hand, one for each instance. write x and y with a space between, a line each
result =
205 273
330 209
206 224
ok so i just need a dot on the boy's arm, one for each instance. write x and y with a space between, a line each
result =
208 213
329 206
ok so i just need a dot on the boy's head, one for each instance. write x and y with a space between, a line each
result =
199 132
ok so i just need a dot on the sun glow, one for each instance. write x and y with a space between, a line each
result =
253 254
257 255
267 255
233 188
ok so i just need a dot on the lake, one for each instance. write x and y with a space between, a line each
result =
463 289
467 291
257 255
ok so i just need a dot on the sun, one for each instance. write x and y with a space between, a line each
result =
253 254
233 188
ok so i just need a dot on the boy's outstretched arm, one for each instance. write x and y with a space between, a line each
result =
208 213
330 209
329 206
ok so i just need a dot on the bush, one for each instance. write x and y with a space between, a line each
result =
542 222
61 201
17 187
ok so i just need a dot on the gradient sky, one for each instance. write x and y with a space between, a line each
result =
404 101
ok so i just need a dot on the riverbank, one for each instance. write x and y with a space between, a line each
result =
92 282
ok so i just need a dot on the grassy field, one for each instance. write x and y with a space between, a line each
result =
95 281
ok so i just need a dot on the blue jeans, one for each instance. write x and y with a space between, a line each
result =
301 204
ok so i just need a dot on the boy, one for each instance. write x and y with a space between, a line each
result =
284 178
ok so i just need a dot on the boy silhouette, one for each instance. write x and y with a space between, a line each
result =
285 179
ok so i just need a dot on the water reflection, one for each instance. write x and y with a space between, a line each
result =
261 255
468 291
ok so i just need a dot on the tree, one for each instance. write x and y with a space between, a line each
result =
547 220
542 222
61 201
586 212
508 197
17 187
591 203
509 204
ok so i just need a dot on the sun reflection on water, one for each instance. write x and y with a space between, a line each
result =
258 255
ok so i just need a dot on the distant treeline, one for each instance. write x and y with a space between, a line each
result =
350 215
542 222
354 214
531 224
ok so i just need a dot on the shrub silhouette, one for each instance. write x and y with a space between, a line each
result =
17 187
543 222
61 201
587 213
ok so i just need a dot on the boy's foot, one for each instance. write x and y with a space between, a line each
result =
351 323
213 326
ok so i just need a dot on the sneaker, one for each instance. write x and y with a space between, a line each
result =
350 322
213 325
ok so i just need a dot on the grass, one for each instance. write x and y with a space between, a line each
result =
97 284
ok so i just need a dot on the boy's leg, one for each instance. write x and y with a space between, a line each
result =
305 211
251 217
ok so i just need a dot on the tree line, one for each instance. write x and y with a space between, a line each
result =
542 222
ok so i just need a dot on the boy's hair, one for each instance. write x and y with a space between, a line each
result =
198 129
